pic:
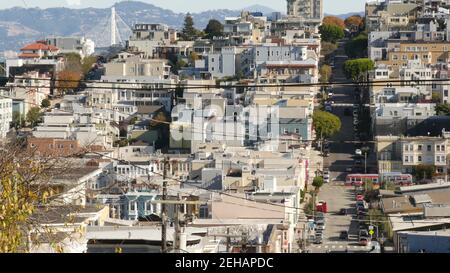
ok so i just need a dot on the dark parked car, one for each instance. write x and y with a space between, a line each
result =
343 212
343 235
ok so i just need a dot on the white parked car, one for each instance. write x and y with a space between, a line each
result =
358 152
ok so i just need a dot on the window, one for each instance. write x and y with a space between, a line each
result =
419 158
419 147
406 158
297 131
429 148
438 158
132 206
148 206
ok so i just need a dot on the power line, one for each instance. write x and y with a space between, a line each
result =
209 86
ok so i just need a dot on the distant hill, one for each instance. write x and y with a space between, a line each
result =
19 26
346 15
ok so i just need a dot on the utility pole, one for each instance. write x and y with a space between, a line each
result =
177 227
365 161
228 240
164 210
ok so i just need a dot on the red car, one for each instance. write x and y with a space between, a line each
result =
360 197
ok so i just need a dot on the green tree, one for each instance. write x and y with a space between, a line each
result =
421 172
331 33
326 124
45 103
189 32
327 49
357 46
18 120
325 73
317 182
357 69
214 29
87 64
443 109
34 116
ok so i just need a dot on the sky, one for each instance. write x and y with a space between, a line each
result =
330 6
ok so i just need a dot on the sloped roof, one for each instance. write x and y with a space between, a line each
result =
40 46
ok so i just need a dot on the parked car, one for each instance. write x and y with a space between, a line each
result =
364 241
343 235
318 240
358 152
343 211
359 197
326 176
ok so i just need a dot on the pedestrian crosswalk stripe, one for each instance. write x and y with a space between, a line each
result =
333 247
341 246
326 246
355 247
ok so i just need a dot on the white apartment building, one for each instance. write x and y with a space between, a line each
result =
79 45
5 116
128 65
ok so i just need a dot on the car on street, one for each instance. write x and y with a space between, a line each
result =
364 241
358 162
343 211
343 235
359 197
326 176
375 247
328 108
358 152
349 169
318 240
330 94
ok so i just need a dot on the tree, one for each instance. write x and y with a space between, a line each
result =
189 32
326 124
24 188
67 80
331 33
334 21
356 69
325 73
87 64
18 120
421 172
34 116
214 29
317 182
73 62
357 46
327 49
45 103
193 57
354 23
443 109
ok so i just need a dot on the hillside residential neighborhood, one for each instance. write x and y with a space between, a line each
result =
261 132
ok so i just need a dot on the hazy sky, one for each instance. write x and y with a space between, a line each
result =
330 6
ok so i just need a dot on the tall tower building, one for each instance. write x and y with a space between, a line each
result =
305 9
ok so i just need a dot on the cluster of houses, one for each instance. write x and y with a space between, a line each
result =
146 123
409 42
